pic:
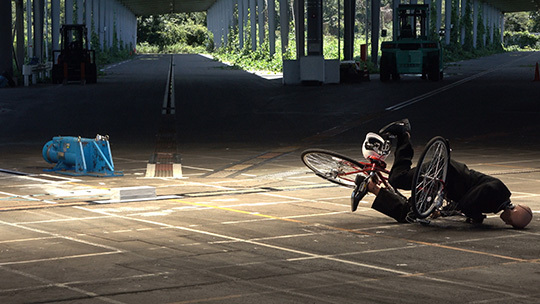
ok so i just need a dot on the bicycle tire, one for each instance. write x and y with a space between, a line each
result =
332 166
430 177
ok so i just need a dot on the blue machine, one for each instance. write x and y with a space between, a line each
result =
80 156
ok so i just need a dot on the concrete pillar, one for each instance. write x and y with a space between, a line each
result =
299 28
102 39
110 23
447 20
38 29
284 24
395 19
29 31
80 12
484 17
375 26
19 24
253 22
439 16
94 28
462 35
272 26
475 22
491 24
88 5
241 24
210 22
69 11
260 19
55 24
502 27
6 42
348 37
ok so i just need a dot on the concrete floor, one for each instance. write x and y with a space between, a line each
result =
248 222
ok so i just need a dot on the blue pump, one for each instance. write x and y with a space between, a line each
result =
80 156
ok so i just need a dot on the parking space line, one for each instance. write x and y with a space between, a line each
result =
113 250
67 257
365 233
61 285
227 237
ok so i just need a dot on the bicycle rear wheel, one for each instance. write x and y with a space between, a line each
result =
332 166
430 177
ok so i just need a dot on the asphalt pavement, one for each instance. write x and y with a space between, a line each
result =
247 222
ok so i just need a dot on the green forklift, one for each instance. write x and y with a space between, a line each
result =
412 51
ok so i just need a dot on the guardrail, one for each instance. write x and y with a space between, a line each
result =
36 72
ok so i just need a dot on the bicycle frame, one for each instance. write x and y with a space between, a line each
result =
376 168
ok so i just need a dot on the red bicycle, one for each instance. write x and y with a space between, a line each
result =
428 186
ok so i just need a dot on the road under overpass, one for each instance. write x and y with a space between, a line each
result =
116 19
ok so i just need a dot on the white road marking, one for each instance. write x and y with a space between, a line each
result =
232 238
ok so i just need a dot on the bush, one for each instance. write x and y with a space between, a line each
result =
523 40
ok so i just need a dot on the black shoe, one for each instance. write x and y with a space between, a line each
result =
397 127
477 220
359 191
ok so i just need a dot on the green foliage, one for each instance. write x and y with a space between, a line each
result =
517 22
521 40
467 26
481 29
182 33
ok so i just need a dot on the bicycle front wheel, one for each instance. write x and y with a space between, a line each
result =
430 177
332 166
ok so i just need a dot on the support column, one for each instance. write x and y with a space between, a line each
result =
284 24
69 11
253 22
462 33
88 20
348 37
110 23
447 21
38 29
95 21
272 26
439 16
102 24
241 24
260 19
299 28
55 24
375 26
491 24
475 22
484 17
502 27
29 31
395 20
6 42
19 24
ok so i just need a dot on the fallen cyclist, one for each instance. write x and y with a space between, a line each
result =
474 193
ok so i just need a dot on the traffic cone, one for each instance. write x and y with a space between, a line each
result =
536 74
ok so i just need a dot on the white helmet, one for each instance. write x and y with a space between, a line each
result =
375 147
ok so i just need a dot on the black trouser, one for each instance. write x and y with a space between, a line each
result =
476 193
401 176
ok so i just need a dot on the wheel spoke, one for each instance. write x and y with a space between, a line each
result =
332 166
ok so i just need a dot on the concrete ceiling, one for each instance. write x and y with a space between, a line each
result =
509 6
158 7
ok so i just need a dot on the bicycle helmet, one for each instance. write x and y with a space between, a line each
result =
375 147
